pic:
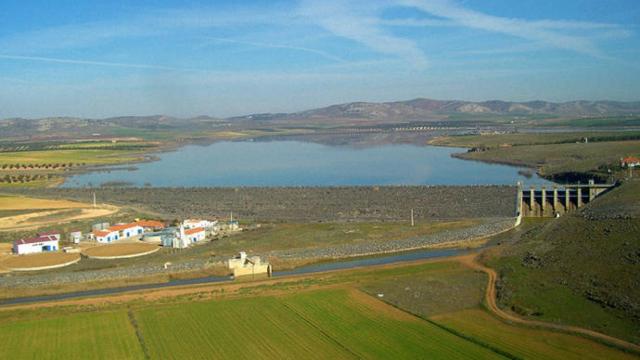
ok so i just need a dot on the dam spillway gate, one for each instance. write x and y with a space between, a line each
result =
556 200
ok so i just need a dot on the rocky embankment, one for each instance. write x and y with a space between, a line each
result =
342 251
309 204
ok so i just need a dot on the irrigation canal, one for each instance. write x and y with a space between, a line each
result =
310 269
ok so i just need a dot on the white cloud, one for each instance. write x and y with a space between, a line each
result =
321 53
545 31
357 21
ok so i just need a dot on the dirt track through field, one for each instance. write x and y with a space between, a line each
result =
30 222
471 261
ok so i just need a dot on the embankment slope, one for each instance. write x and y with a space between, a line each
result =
582 269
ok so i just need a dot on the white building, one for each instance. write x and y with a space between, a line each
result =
75 237
35 245
198 223
105 236
127 230
242 265
195 234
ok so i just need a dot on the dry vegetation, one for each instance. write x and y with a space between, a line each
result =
37 260
119 249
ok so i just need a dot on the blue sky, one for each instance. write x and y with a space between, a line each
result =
223 58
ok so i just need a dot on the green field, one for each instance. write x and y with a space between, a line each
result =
558 156
75 156
519 139
324 324
324 316
104 335
315 235
522 342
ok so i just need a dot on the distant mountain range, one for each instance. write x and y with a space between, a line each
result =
354 113
424 109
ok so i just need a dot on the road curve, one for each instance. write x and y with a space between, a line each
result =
490 299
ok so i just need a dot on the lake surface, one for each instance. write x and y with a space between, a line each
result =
293 163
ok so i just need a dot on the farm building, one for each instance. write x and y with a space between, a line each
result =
105 236
164 237
150 225
242 265
194 235
55 234
75 236
630 162
35 245
197 223
127 230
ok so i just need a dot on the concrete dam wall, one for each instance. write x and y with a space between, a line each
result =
359 203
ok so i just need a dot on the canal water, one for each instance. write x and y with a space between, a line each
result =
310 269
294 163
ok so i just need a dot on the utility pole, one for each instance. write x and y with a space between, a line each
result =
412 222
94 199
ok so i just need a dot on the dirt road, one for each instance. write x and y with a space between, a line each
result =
490 299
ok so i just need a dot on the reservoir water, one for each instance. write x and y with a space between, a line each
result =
293 163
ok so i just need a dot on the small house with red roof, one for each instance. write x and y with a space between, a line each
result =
630 162
195 234
127 230
105 236
35 245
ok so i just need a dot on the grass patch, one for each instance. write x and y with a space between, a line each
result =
316 235
580 269
429 293
522 342
327 324
104 335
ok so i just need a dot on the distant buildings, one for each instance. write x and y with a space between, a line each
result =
630 162
36 245
75 237
103 233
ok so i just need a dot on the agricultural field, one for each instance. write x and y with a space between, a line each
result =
92 335
319 316
21 213
61 159
325 324
523 342
520 139
559 156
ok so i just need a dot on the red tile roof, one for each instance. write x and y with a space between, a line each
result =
193 231
150 224
101 233
122 227
35 240
630 159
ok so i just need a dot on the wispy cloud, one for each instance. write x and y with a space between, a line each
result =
547 32
92 63
358 21
321 53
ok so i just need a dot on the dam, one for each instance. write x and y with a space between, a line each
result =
556 200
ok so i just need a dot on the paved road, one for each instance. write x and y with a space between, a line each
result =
317 268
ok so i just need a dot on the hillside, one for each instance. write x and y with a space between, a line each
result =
348 114
581 269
